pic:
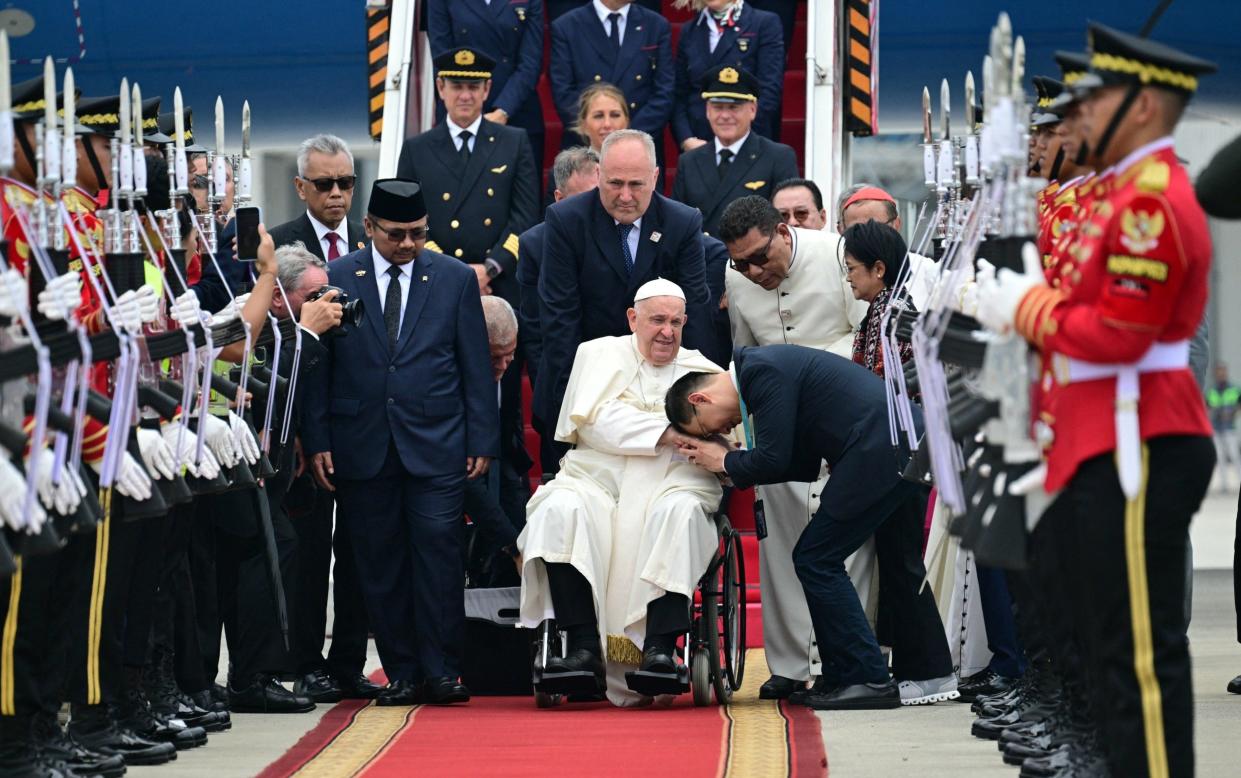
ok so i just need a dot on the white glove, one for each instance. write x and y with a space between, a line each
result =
220 441
185 309
208 468
156 454
61 297
13 500
128 312
148 302
968 302
12 296
230 311
131 480
247 445
999 297
63 497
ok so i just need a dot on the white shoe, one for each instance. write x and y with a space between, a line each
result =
930 691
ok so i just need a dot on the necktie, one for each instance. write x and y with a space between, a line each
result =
624 230
465 145
726 158
392 306
332 251
614 32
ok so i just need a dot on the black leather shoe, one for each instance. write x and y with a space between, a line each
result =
207 701
53 743
400 693
1234 686
657 659
266 695
318 686
357 687
95 729
777 687
444 691
858 696
580 660
983 684
820 686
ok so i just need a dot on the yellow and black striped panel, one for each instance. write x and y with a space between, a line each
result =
859 97
377 22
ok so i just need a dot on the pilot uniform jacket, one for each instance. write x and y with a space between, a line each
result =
585 289
301 229
476 212
809 407
434 398
754 44
757 168
508 31
582 55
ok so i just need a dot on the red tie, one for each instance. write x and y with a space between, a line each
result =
332 251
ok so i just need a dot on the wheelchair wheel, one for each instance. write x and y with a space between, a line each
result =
700 678
733 616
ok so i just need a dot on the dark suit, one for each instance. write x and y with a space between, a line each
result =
531 255
812 406
758 167
558 8
475 212
754 44
720 347
582 55
301 229
511 33
585 288
400 424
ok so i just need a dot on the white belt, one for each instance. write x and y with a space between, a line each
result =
1160 357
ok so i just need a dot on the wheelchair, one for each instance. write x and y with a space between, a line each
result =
713 655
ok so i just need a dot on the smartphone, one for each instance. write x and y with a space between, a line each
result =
248 220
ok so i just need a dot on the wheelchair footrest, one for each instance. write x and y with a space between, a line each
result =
654 684
580 682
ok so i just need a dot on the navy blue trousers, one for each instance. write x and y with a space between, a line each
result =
1007 658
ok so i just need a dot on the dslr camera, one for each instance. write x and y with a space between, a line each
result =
351 310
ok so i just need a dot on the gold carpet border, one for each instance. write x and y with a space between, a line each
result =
758 738
373 728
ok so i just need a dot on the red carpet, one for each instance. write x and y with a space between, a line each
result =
508 736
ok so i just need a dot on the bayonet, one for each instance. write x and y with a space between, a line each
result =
970 119
180 165
243 171
219 125
945 110
140 168
973 173
1019 66
69 160
218 160
926 116
6 108
928 141
127 151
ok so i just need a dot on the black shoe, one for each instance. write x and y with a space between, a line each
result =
318 686
444 691
136 714
580 660
356 686
657 659
398 693
206 700
266 695
93 727
578 674
983 684
858 696
18 756
53 744
820 686
777 687
1234 686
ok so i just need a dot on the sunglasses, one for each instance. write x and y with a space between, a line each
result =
325 184
800 214
758 260
398 236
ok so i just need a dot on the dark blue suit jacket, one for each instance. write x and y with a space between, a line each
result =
720 346
582 55
759 166
585 288
755 44
511 33
434 397
811 406
530 260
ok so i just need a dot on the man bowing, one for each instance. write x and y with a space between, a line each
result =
395 426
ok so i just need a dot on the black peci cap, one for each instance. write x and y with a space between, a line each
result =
1120 59
1073 65
1047 90
464 64
730 85
397 200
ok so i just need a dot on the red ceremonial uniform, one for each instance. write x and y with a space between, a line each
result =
1135 275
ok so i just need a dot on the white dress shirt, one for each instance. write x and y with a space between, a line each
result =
321 229
382 279
632 240
456 131
714 31
735 148
604 12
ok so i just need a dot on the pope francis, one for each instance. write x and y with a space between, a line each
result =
614 546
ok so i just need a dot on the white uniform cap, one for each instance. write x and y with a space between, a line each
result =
660 287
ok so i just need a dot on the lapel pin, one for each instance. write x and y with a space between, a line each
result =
655 236
359 273
424 278
361 244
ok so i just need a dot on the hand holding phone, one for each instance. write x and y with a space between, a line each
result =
248 220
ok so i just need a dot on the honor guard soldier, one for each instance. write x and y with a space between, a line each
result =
737 162
477 176
512 34
1131 453
739 35
621 43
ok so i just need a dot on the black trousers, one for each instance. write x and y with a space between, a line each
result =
175 630
1132 567
315 545
1007 658
574 604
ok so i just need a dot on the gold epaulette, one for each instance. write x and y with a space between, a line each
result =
1153 176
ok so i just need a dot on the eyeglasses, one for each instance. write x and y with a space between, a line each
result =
702 431
758 260
398 236
798 214
325 184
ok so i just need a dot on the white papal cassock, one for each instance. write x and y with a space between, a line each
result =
633 518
